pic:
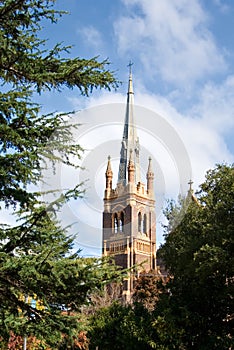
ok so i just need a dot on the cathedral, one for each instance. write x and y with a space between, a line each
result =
129 219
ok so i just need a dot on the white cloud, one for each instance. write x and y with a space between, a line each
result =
202 129
91 37
101 98
171 37
217 105
7 216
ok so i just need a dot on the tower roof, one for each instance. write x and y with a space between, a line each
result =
130 140
150 167
108 168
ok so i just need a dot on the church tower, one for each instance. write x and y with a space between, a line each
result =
129 220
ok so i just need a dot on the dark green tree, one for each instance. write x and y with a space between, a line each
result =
120 327
36 261
199 254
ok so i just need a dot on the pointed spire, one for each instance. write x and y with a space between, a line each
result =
109 174
150 177
130 140
130 85
150 168
130 158
131 168
108 168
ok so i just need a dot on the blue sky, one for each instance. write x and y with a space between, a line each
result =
177 47
183 54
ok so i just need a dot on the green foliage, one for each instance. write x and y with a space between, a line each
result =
147 289
193 307
119 327
25 60
36 258
199 255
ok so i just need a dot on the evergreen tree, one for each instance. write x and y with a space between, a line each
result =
36 262
199 255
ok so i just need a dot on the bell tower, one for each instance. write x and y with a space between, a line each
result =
129 220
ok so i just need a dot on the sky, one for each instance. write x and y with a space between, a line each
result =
183 75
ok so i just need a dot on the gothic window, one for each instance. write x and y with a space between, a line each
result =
139 222
121 222
145 224
116 223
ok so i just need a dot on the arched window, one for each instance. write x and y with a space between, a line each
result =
145 224
116 223
139 222
121 222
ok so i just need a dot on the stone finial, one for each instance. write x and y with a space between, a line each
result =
131 168
150 177
109 174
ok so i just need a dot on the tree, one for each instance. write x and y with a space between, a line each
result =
148 287
129 326
198 252
120 327
36 262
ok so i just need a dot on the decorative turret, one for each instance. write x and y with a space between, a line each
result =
109 175
130 140
150 178
131 169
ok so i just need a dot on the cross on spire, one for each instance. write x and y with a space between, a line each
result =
190 185
130 66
